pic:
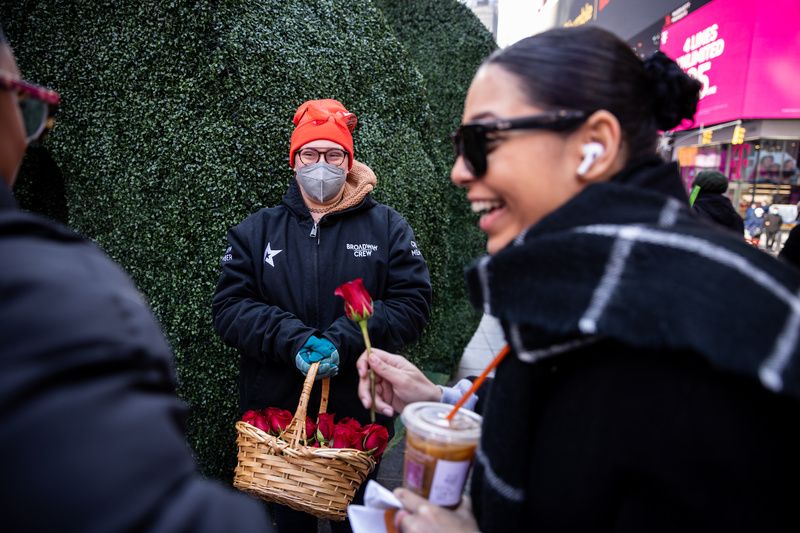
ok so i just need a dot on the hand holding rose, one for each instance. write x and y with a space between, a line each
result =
397 382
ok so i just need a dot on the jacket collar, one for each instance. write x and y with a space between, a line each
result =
652 174
293 200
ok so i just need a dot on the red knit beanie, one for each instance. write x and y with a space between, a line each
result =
323 119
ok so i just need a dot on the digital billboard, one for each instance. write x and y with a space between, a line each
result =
745 54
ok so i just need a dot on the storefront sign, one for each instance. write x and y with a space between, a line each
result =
585 16
745 55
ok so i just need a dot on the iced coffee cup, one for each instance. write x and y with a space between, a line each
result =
439 453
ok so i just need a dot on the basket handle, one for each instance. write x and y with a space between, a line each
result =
297 428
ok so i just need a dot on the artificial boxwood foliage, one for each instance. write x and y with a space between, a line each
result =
447 43
175 125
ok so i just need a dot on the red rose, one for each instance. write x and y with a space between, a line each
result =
357 301
279 419
250 416
324 431
346 437
350 422
375 437
311 429
256 419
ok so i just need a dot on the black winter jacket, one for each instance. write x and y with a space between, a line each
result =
91 432
279 274
717 209
791 248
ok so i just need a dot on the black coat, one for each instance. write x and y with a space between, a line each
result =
717 208
91 432
276 289
639 395
791 248
613 438
772 223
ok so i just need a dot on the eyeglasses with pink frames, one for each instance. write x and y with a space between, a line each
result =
36 104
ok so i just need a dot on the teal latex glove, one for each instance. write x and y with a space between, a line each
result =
318 350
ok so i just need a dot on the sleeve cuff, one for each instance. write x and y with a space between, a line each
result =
451 395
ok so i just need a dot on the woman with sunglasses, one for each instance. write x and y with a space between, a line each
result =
275 298
91 431
637 396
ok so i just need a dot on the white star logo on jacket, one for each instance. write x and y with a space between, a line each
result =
269 253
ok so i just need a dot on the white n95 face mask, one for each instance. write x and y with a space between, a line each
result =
321 181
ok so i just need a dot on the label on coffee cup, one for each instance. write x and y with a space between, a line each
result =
448 481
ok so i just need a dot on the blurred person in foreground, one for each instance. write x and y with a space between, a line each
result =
791 248
91 432
275 300
711 203
637 395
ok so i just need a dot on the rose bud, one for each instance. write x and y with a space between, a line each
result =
324 431
357 301
350 422
346 437
256 419
375 438
249 416
279 420
268 413
311 429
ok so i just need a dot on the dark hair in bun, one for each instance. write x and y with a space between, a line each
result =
588 69
675 94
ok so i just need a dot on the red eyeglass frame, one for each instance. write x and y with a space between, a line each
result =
48 96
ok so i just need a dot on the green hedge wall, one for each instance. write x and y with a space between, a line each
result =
447 43
175 125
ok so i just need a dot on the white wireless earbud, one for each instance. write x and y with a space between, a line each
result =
591 151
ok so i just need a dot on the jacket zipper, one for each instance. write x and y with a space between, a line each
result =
315 233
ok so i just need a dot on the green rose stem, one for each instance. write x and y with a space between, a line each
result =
358 308
363 324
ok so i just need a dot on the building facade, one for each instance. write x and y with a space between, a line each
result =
486 11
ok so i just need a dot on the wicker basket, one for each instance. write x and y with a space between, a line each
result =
317 481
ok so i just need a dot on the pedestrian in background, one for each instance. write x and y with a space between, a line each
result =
772 227
754 224
712 205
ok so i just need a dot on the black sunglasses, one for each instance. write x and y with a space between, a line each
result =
469 140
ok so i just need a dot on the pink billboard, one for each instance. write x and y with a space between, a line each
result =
746 53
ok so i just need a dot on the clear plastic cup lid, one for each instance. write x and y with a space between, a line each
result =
429 420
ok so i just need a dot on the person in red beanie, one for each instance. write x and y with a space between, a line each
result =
275 300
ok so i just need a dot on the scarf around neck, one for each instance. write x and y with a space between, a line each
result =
627 260
360 181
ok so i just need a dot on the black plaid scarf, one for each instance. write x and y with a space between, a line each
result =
627 260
